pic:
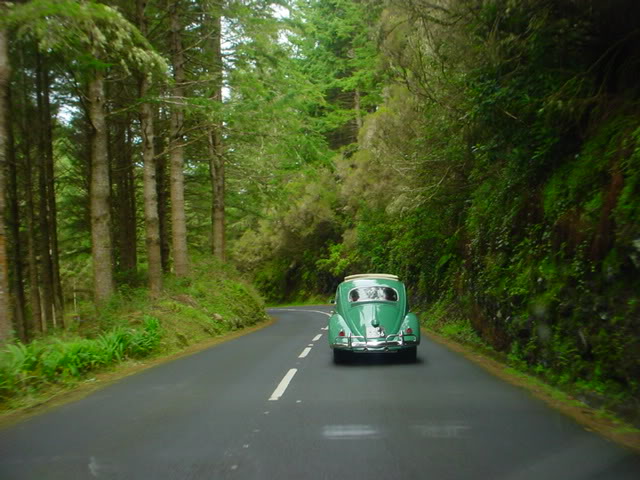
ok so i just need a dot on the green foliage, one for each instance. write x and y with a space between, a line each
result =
27 367
627 210
498 176
282 251
461 331
212 301
337 54
93 33
339 261
445 317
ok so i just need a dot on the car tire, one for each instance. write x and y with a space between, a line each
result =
409 355
340 357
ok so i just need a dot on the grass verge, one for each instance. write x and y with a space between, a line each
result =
314 300
60 394
209 304
457 334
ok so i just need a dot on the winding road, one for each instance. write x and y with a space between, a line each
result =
272 405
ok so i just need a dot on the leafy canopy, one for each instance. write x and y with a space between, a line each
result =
93 34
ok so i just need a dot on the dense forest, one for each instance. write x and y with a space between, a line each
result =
486 151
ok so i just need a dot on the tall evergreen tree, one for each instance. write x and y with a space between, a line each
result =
216 148
6 327
84 32
176 147
150 186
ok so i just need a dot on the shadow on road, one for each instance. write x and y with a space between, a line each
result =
378 360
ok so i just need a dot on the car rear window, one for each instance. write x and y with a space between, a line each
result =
364 294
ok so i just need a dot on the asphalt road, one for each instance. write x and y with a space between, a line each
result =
271 405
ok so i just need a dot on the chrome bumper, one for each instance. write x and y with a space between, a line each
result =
356 343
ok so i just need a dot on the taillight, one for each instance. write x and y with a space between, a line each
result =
408 331
341 334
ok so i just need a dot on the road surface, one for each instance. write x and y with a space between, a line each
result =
272 405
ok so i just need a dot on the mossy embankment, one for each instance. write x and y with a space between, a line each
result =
211 302
500 179
612 413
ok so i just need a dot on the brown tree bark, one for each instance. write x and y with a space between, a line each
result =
150 188
164 210
125 196
101 245
358 109
34 323
176 148
52 211
216 168
15 255
216 149
44 238
5 301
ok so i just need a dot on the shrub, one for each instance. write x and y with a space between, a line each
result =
25 367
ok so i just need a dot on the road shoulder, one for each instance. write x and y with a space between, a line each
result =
589 418
63 394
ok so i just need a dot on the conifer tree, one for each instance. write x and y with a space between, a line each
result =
6 327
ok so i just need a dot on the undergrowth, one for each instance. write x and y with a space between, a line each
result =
445 318
210 302
25 368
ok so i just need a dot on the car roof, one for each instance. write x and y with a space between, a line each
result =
381 276
371 279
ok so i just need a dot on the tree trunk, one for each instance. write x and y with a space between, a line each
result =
358 110
101 248
34 322
176 148
151 217
132 225
15 256
125 198
52 211
217 182
44 244
162 184
5 303
216 150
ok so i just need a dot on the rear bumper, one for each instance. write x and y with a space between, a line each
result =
390 343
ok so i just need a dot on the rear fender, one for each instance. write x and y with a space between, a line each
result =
336 323
411 321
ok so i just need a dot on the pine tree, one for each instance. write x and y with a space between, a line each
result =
6 327
176 147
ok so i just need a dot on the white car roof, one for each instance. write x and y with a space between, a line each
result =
384 276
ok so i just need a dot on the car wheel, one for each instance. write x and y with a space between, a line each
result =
340 356
409 355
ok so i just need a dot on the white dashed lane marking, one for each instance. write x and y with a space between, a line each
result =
282 386
305 352
286 380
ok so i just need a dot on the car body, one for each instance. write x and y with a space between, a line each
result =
372 316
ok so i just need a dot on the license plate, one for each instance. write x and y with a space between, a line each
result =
373 332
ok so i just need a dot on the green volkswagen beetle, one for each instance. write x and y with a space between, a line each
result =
372 315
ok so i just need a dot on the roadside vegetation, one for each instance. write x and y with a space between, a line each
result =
591 399
608 417
210 302
486 151
113 143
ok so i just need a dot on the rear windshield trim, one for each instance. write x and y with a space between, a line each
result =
377 287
